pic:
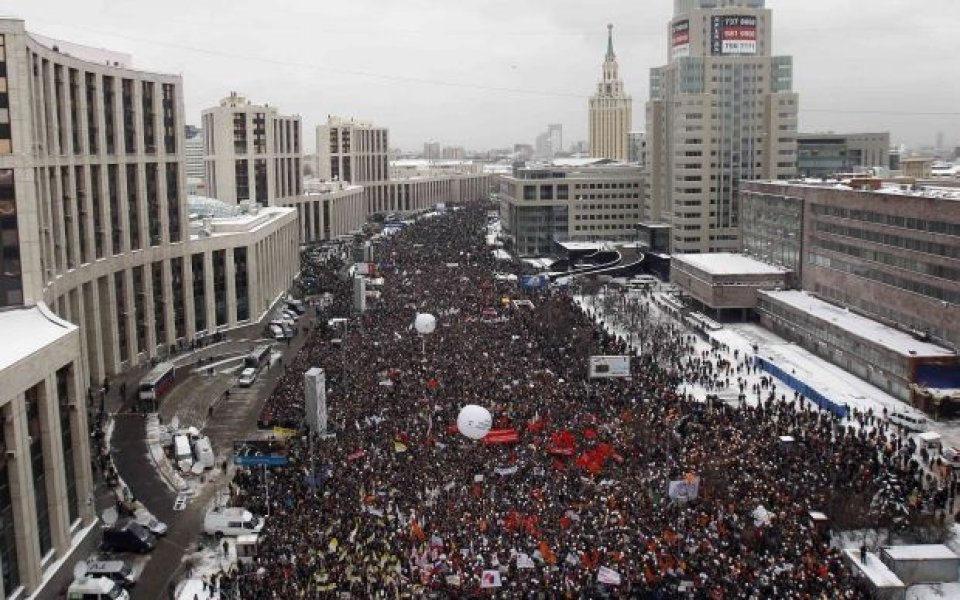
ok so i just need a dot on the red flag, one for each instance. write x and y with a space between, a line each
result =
501 436
432 383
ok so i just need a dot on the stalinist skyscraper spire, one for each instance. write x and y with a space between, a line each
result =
611 111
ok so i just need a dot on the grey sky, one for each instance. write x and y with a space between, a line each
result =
851 57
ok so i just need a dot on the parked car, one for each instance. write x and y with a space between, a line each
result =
220 521
951 456
128 536
112 568
146 519
247 377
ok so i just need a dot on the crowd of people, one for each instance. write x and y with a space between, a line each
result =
575 500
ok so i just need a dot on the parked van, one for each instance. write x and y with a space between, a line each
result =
204 452
297 306
247 377
96 588
276 331
909 421
128 536
117 570
220 521
182 454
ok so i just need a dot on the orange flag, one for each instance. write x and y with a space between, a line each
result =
548 556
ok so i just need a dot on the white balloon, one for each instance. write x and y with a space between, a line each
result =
474 421
425 323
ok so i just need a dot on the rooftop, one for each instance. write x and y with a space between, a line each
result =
921 552
862 327
726 263
27 331
874 570
886 188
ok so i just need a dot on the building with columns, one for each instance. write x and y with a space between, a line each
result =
251 152
721 111
102 270
611 111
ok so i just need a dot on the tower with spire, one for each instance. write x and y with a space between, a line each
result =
611 111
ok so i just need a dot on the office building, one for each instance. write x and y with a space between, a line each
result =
637 141
431 150
892 253
251 152
722 110
610 111
828 154
575 200
328 210
102 271
550 142
352 151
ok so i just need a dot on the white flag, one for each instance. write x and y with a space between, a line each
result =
608 576
524 561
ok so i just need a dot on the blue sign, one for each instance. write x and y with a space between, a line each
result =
269 460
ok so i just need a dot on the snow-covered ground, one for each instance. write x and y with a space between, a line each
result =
833 382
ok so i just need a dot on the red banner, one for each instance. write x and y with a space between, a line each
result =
501 436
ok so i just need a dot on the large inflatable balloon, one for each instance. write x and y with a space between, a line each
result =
474 421
425 323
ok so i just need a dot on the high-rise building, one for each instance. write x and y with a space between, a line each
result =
101 271
251 152
352 151
638 147
611 111
722 110
431 150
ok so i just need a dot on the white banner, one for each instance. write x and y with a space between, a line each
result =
490 579
609 366
685 489
608 576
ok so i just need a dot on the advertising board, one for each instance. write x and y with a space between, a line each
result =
680 38
732 35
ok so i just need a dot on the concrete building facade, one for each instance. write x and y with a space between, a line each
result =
540 206
724 284
722 110
352 151
892 254
610 111
251 152
100 270
826 154
329 210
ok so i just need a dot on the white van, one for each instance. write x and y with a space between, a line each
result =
204 452
909 422
276 331
247 547
182 454
220 521
96 588
247 377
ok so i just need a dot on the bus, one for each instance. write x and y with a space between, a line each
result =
155 386
258 358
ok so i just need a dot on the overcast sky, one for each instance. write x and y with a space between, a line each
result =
491 73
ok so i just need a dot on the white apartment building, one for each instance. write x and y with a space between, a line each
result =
352 151
101 271
588 200
251 152
610 111
328 210
722 110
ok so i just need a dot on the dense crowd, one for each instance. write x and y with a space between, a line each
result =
397 504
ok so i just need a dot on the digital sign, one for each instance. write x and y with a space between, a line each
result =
680 38
733 35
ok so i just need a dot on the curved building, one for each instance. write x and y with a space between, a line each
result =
100 270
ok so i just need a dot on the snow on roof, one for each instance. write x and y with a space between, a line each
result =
581 245
862 327
726 263
921 552
27 331
929 436
874 570
934 591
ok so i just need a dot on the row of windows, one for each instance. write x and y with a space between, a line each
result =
607 217
884 277
931 226
901 262
897 241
